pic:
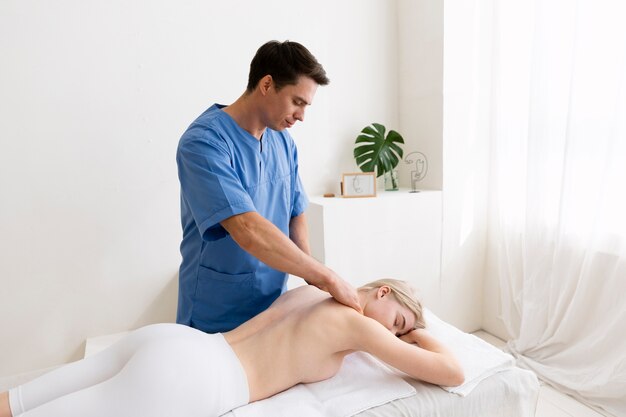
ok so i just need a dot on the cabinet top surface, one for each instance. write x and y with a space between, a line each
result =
401 194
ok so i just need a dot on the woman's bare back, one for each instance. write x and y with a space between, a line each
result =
298 339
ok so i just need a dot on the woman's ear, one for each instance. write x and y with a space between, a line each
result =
383 290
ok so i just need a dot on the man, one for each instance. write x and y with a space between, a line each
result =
242 201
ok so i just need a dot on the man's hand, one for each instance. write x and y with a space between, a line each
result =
263 240
342 291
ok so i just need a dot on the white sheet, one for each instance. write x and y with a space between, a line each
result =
361 383
510 393
478 358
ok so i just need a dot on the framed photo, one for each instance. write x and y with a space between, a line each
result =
359 184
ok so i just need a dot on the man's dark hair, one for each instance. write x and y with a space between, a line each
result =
285 62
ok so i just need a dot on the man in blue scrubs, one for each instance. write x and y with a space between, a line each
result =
242 201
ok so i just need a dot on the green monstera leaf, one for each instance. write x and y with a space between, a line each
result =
375 152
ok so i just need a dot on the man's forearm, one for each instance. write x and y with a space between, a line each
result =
299 233
259 237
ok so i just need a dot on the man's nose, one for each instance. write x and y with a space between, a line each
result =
299 115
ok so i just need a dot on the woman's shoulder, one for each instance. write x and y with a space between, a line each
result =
342 321
323 309
299 296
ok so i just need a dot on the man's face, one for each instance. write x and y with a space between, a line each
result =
287 105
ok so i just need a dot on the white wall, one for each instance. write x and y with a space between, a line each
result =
94 98
466 129
420 92
444 107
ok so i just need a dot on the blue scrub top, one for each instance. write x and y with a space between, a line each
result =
224 171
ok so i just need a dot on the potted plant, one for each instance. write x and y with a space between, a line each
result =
375 152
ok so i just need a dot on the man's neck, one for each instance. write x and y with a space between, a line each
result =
245 113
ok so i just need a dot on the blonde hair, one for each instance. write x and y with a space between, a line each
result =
404 294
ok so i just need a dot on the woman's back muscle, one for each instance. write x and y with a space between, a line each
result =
298 339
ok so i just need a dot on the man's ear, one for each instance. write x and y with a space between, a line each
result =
383 290
265 84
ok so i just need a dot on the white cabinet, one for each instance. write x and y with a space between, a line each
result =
396 235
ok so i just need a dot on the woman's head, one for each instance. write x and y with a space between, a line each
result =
392 303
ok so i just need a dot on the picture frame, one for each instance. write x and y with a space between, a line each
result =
358 184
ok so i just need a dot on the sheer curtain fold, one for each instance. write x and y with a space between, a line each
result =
558 191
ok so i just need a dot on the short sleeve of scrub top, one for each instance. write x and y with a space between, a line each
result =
211 186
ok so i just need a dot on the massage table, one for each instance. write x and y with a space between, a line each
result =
365 387
508 392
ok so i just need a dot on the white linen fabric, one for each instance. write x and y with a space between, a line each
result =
510 393
478 358
557 205
361 383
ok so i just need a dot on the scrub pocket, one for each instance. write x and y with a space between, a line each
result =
222 300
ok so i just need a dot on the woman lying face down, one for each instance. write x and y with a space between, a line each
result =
171 369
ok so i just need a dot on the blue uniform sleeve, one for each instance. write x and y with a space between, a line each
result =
300 201
210 185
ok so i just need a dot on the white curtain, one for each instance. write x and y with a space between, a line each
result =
558 191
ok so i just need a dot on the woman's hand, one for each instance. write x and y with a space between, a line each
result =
413 336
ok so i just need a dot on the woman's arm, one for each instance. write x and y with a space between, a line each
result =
5 410
418 354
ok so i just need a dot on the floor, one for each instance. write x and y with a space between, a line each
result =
551 403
